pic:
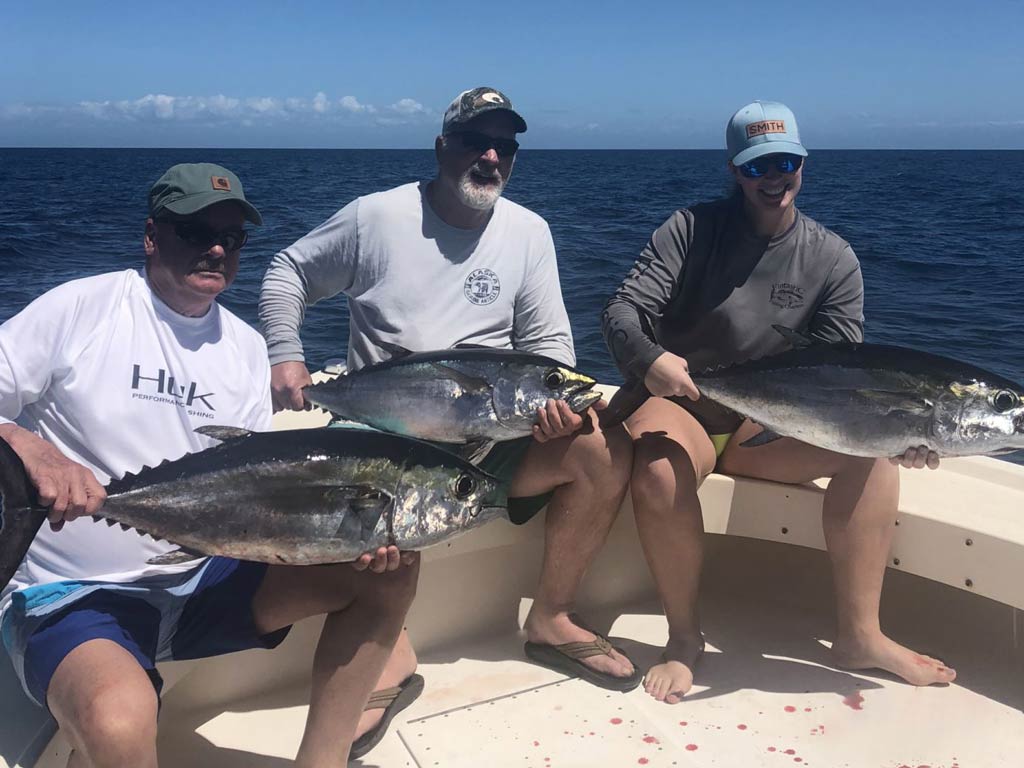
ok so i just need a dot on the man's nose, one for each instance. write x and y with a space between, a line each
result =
216 251
490 156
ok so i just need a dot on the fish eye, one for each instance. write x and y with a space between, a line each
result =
554 378
1005 400
464 486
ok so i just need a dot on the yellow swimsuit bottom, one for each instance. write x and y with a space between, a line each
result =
720 441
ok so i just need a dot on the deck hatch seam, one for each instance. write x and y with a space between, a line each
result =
487 701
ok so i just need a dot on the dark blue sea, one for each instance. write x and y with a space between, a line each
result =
940 234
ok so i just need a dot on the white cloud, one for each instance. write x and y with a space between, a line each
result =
408 107
320 102
351 104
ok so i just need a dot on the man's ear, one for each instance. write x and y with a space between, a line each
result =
149 238
439 146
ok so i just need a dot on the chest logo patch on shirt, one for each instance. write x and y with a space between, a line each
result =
787 296
482 287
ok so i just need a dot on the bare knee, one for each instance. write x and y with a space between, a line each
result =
116 727
603 457
662 473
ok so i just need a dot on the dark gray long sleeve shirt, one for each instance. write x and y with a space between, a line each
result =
708 289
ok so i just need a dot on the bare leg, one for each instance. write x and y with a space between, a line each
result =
672 456
105 704
401 663
589 472
858 518
365 612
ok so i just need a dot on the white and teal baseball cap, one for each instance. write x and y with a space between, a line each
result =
762 128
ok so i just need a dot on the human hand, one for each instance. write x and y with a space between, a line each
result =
286 383
668 376
556 419
69 489
917 458
383 559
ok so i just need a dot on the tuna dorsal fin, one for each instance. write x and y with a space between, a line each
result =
464 380
466 345
796 339
472 450
223 433
175 556
397 351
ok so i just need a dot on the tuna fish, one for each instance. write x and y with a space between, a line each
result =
862 400
468 395
296 497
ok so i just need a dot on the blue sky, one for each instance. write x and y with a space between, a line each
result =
904 74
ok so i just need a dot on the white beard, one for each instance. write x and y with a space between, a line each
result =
480 197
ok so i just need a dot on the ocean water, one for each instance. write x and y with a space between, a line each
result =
940 234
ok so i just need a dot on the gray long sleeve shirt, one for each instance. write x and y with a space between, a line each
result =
708 289
413 280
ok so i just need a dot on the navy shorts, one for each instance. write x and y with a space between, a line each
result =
155 619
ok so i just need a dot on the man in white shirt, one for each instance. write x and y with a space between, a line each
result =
102 376
439 263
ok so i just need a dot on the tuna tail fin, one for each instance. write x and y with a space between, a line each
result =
223 433
20 513
623 404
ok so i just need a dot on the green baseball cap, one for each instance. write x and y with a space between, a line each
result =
188 188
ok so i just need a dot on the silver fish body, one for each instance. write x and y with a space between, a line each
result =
873 400
296 497
459 395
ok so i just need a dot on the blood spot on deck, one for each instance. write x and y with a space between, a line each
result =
691 747
616 721
643 761
771 749
807 709
650 740
536 743
789 708
789 752
683 722
742 727
854 701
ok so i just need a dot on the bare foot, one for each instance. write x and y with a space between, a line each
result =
883 653
560 629
400 665
673 678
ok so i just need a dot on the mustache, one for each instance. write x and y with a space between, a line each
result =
490 173
209 265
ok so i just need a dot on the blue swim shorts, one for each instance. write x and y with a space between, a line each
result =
197 614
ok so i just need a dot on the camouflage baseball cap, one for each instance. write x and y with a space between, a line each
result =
188 188
470 104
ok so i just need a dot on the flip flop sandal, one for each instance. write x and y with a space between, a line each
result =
392 701
566 658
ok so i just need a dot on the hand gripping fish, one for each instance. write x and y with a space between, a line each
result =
468 395
861 400
296 497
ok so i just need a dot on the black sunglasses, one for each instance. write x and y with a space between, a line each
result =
481 142
783 163
203 237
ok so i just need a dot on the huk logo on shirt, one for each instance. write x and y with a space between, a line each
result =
161 387
482 286
787 296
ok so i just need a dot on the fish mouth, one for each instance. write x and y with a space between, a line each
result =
583 398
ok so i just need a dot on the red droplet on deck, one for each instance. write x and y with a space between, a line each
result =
771 749
683 722
807 709
798 759
790 752
536 743
643 761
742 727
789 709
854 701
650 740
616 721
691 747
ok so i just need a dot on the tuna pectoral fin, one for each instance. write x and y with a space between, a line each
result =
223 433
397 351
763 438
624 404
175 556
464 380
20 515
472 451
899 402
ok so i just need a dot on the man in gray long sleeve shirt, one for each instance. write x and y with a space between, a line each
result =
434 264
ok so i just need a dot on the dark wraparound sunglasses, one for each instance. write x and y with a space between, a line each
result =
481 142
201 236
784 163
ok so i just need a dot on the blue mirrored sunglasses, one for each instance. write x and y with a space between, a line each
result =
783 163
